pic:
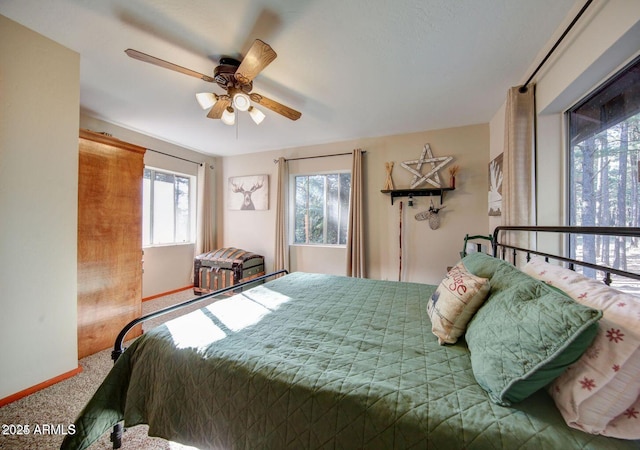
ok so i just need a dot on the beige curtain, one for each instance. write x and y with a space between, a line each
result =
205 229
355 236
518 189
282 247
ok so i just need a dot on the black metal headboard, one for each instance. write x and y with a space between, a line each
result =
501 248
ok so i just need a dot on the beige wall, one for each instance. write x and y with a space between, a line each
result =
166 267
427 252
39 100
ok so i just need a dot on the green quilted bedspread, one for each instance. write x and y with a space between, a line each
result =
316 361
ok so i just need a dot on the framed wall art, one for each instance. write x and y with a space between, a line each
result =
248 193
495 186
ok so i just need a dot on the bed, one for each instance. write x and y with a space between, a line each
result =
320 361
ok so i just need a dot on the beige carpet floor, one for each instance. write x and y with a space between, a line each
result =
60 404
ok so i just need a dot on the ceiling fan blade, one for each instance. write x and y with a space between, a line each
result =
219 107
257 58
275 106
167 65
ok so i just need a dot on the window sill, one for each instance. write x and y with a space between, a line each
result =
176 244
336 246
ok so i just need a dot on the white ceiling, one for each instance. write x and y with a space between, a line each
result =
356 68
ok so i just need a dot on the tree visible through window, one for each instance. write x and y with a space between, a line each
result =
604 142
167 216
321 208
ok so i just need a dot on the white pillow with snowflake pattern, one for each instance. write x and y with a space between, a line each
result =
600 393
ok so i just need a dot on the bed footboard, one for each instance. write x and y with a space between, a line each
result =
118 347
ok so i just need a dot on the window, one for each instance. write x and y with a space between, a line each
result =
321 208
168 211
604 142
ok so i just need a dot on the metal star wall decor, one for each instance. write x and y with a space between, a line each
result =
436 164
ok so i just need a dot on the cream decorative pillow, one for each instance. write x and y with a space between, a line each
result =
600 392
454 303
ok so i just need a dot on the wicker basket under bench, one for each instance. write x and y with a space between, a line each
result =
225 267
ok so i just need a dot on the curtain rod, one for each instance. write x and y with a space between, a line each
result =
173 156
275 161
523 88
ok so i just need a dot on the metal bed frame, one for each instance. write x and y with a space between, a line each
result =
501 247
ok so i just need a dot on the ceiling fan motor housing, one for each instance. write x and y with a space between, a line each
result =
224 75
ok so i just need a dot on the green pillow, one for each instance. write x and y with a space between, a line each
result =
526 334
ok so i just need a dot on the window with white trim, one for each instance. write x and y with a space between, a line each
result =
320 208
168 214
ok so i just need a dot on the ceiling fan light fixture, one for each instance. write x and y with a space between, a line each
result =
228 116
241 101
206 99
257 115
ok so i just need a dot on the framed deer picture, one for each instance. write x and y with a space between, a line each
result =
249 193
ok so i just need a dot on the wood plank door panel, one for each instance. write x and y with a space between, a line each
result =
109 240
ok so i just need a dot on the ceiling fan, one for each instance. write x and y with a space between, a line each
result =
236 78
